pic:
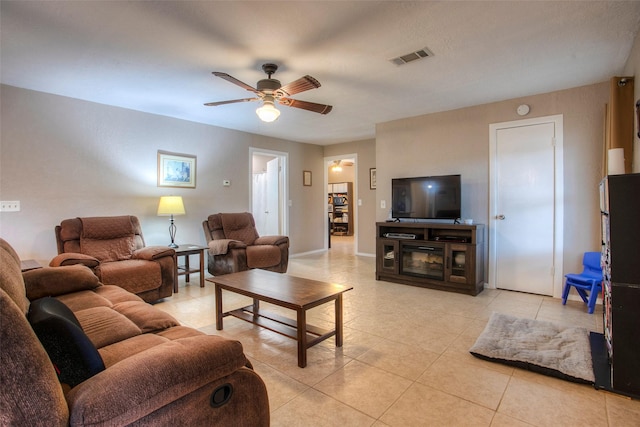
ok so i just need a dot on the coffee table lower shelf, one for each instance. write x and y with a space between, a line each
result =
280 324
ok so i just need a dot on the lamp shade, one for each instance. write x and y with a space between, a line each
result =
268 112
170 205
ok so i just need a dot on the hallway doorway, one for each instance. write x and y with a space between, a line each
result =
268 182
341 200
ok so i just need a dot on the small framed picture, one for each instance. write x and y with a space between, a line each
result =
176 170
306 178
372 178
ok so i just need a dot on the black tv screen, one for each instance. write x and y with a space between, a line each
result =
427 197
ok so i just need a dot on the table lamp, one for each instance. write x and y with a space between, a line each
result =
171 205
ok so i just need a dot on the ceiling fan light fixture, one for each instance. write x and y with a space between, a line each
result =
268 112
269 90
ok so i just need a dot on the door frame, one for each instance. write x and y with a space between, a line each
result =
558 232
353 207
283 188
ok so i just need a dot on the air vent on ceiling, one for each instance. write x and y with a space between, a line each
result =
413 56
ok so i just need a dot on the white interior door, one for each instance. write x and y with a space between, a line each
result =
272 213
525 207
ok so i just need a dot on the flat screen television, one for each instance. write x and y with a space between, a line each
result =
427 197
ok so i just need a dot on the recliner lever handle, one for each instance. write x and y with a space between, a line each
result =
221 395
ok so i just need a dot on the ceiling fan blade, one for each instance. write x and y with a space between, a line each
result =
300 85
233 101
235 81
306 105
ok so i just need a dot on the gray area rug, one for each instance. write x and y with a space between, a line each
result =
544 347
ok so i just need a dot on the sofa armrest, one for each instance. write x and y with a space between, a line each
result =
152 379
53 281
152 253
237 244
271 240
222 246
72 258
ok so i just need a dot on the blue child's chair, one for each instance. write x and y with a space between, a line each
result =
589 280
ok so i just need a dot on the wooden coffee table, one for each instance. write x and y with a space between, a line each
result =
294 293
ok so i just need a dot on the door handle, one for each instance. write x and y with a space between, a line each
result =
500 217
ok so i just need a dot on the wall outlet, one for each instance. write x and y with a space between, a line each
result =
12 206
383 204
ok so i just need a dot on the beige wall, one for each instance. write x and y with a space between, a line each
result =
365 214
64 157
457 142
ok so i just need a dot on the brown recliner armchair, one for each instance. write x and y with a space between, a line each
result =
114 248
234 245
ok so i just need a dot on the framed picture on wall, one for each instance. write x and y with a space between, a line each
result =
176 170
306 178
372 178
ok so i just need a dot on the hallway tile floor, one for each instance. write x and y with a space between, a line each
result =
405 359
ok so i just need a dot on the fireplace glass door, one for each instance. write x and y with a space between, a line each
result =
423 261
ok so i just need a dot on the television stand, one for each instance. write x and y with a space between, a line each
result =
441 256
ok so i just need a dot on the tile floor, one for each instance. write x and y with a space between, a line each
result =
405 359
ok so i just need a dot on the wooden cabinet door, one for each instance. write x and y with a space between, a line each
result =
388 256
459 263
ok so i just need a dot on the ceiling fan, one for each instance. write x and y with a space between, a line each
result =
271 90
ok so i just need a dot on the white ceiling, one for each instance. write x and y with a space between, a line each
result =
157 56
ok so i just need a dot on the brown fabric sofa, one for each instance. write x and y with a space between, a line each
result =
234 245
114 248
152 371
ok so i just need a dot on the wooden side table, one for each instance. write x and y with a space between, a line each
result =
185 270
